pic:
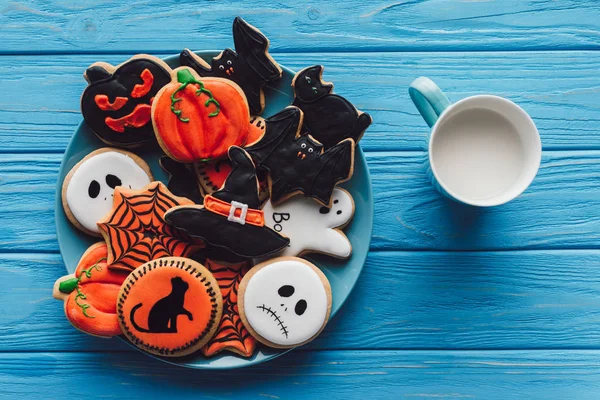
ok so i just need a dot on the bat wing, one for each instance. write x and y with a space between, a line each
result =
336 165
253 47
182 181
188 58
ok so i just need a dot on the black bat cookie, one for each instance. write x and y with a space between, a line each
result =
250 65
299 163
182 179
329 118
116 103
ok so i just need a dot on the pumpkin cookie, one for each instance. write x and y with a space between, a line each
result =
197 119
87 191
135 229
90 294
231 334
170 306
118 100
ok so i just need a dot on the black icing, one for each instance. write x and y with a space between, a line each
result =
182 179
286 291
94 189
301 306
112 181
328 117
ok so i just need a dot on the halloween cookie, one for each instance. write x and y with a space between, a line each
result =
87 191
197 119
90 294
170 306
135 229
250 65
117 101
328 117
284 302
231 217
231 335
298 164
311 227
182 179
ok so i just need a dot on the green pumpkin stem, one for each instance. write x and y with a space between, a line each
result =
68 286
185 77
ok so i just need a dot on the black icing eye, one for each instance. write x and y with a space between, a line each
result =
315 91
324 210
221 67
303 145
336 201
310 150
339 212
308 80
94 189
112 181
300 307
286 291
229 62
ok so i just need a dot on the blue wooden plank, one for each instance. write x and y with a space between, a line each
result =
40 95
310 375
403 300
321 25
556 212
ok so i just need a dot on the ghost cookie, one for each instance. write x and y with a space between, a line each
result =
170 306
284 302
311 227
87 191
117 101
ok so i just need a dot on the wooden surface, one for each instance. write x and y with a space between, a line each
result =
453 302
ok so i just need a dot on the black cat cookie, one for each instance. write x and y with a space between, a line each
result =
298 163
250 65
117 102
328 117
170 307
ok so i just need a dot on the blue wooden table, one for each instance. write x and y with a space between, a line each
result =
453 302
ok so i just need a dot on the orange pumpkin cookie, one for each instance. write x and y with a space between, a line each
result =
231 334
198 119
135 229
170 307
90 294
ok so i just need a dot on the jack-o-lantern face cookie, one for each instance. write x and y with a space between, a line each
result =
311 227
90 294
197 119
284 302
135 229
170 306
87 191
118 100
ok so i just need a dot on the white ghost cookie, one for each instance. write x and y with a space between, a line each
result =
311 227
284 302
87 191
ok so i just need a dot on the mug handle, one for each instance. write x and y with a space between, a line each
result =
428 98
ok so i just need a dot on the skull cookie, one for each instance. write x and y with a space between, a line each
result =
311 227
87 192
284 302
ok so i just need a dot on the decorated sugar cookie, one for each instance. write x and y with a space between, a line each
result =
311 227
170 306
284 302
250 65
87 191
328 117
231 217
298 164
182 179
135 229
231 335
197 119
117 102
90 294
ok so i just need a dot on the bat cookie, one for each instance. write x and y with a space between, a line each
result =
197 119
170 306
250 65
284 302
117 101
231 217
87 191
311 227
328 117
182 179
298 164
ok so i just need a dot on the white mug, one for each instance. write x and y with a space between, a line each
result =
484 150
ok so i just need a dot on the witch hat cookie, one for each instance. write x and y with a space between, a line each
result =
231 217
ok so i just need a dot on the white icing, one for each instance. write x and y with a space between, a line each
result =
300 219
87 210
273 316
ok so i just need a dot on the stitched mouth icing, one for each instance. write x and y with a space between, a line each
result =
278 319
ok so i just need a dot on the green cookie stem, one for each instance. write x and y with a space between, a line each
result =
185 77
71 284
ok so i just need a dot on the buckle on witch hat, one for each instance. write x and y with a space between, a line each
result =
236 205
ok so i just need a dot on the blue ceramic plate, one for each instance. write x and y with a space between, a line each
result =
342 274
